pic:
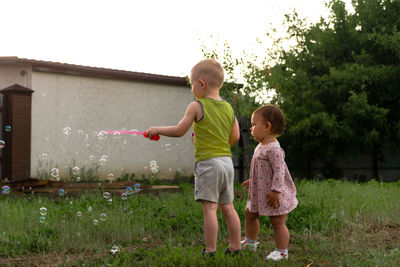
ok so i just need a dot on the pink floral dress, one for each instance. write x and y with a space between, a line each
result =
269 172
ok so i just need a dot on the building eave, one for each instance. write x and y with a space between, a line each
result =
79 70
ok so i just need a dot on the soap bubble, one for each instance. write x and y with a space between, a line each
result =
110 177
61 192
168 147
76 171
44 156
43 211
117 135
115 249
153 163
7 128
5 190
106 195
89 209
180 170
2 144
102 161
92 158
109 201
102 135
42 219
78 179
155 169
67 130
96 222
78 235
55 172
129 190
79 214
124 196
103 217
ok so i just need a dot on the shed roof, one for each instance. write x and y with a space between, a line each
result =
72 69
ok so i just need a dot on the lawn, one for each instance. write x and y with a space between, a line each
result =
337 223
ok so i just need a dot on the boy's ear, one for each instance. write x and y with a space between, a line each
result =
202 83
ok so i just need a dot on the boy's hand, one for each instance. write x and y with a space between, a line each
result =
153 131
245 184
273 199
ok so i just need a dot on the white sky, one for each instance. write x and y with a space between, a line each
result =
159 36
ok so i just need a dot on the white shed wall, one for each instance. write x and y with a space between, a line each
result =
88 105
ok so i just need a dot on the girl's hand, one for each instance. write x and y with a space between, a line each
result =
245 184
273 199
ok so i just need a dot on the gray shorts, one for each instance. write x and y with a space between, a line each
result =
214 180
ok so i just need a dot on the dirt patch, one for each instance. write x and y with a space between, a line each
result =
385 233
373 235
56 259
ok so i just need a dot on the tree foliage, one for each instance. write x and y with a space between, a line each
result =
339 86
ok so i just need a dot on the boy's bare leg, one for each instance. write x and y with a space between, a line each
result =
233 222
252 225
280 231
210 225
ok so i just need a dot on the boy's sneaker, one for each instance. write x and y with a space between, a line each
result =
233 253
210 254
276 256
251 247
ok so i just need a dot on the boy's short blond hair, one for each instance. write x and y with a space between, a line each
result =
210 71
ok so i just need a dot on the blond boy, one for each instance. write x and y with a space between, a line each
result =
215 130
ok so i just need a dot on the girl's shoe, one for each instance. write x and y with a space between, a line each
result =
276 256
251 247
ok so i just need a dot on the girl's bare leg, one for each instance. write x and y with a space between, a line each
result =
252 225
280 230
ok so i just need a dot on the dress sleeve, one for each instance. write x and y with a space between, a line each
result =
276 157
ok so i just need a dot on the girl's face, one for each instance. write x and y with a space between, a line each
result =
260 128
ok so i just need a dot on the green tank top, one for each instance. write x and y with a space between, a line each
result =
213 130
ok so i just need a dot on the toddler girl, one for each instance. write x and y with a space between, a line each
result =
271 189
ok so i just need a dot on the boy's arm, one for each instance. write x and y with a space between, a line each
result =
192 112
235 134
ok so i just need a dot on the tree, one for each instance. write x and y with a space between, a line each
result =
339 86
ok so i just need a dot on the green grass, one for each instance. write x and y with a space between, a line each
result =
337 223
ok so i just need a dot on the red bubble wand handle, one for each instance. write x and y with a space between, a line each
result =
154 137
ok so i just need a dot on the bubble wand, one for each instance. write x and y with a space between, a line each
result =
154 137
